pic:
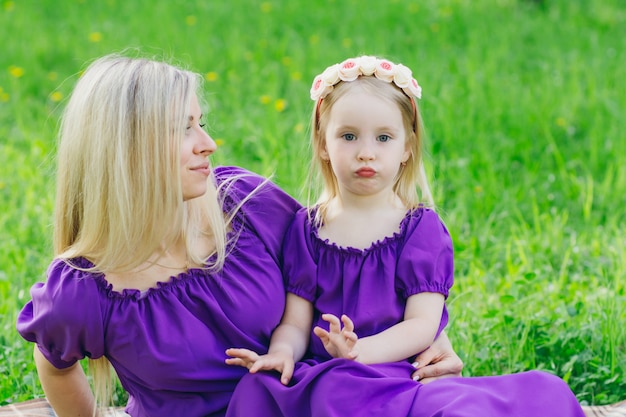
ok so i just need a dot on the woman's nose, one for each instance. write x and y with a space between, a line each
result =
206 144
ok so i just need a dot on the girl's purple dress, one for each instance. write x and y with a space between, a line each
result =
371 287
167 345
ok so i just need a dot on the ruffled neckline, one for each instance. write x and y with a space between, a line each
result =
377 244
174 281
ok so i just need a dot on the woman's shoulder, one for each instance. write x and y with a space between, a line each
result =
69 280
258 192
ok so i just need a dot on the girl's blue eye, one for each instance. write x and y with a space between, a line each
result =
384 138
349 136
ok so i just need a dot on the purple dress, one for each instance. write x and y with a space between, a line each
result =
371 286
167 344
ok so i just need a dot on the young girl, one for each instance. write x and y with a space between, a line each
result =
368 252
373 263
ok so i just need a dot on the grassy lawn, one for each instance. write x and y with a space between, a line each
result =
524 107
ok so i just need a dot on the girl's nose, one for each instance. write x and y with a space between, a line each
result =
366 153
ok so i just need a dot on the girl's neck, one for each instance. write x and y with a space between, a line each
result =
369 204
358 223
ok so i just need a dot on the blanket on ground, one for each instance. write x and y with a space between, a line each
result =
41 408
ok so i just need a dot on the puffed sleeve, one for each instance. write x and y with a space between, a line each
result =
268 212
426 262
300 267
64 317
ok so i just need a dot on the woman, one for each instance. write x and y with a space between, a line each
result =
160 262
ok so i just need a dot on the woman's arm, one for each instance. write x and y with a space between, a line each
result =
438 361
67 390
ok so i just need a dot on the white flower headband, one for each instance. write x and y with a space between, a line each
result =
352 68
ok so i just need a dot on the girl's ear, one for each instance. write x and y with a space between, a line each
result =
324 153
406 155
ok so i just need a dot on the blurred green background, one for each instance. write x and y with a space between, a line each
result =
524 107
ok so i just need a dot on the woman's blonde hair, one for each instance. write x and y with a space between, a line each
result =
411 176
119 197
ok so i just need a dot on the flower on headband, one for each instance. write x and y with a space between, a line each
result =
368 65
352 68
385 70
349 70
414 88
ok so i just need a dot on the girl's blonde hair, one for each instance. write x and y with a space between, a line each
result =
411 177
119 197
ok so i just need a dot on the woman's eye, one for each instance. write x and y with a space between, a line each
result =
384 138
202 125
348 136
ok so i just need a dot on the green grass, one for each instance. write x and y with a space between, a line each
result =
524 107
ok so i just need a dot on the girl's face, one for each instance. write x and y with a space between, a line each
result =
365 144
195 149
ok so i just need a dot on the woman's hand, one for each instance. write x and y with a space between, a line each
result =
438 361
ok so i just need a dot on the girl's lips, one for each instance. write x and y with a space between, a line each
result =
365 172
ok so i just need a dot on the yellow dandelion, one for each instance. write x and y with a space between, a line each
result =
52 76
286 61
219 142
296 75
266 7
56 96
299 128
4 97
16 71
314 39
9 6
2 185
211 76
478 189
265 99
280 104
191 20
346 42
561 122
95 37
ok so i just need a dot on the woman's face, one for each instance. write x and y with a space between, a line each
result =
195 149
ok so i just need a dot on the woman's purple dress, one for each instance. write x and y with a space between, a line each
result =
371 287
167 345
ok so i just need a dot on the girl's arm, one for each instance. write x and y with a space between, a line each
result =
288 344
67 390
416 333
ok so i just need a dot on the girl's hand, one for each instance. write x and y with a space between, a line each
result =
278 361
338 342
438 361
